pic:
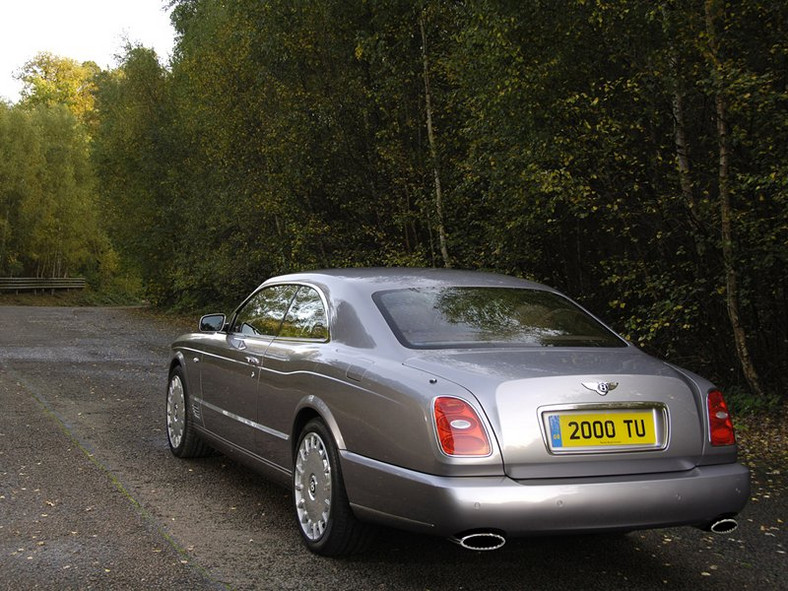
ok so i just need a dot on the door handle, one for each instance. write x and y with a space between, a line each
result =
253 360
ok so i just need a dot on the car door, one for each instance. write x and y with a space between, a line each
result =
289 365
230 370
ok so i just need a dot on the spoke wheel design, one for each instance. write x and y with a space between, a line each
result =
184 441
312 482
325 519
176 411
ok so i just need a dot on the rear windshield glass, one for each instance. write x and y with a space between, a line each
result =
489 317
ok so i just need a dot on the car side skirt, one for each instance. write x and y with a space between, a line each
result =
273 472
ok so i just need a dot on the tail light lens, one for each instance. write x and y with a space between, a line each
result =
720 423
460 432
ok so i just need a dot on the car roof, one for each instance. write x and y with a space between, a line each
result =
356 319
382 278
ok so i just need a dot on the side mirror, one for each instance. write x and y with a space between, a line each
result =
212 322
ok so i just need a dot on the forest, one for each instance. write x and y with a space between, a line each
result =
632 153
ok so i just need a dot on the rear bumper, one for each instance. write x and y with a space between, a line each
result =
446 506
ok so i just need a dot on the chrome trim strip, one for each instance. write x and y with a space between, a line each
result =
224 358
245 421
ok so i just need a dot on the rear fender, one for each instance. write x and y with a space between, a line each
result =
308 407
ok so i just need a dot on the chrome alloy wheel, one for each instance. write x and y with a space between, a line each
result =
176 411
312 483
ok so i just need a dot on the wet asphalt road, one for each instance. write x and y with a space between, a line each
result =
91 498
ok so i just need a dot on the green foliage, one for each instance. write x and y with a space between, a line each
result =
49 223
577 146
131 152
51 80
743 404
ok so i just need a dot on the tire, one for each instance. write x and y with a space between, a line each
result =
183 440
325 520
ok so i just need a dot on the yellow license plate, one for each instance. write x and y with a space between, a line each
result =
630 428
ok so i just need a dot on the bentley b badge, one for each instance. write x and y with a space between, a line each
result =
601 388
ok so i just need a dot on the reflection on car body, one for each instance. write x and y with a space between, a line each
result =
467 405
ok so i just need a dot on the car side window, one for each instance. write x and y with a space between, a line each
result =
262 314
306 318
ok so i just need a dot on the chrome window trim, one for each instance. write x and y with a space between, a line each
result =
326 308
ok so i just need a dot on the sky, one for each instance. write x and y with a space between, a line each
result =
83 30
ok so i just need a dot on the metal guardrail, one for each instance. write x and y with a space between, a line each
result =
36 284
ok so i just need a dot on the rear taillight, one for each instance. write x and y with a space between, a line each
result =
720 424
460 432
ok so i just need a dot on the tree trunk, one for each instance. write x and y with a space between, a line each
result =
433 148
731 279
682 150
680 139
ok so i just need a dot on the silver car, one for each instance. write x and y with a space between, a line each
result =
460 404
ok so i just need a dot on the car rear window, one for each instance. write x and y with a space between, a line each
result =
434 318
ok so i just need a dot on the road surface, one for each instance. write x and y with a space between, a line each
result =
91 498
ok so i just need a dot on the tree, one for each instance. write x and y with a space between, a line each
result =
20 161
48 217
52 80
719 78
578 146
134 159
433 144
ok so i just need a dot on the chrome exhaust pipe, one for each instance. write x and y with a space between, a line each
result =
480 541
721 525
724 526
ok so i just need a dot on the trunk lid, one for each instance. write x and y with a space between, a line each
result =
558 413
